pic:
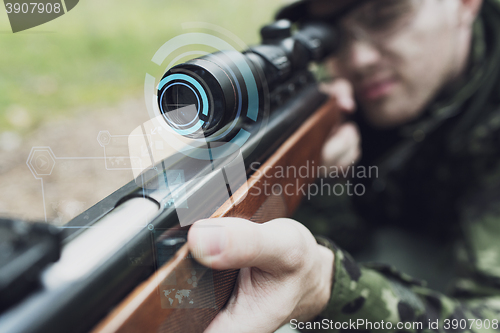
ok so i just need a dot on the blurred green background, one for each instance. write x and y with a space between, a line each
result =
98 53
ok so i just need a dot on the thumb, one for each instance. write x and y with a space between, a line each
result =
230 243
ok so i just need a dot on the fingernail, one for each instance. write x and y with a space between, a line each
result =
212 240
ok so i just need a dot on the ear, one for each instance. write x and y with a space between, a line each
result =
469 10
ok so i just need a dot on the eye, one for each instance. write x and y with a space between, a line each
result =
385 15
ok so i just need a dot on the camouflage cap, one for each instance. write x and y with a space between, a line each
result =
317 9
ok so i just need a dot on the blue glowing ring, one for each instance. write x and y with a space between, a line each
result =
191 130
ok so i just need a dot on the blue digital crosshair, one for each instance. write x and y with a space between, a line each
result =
199 92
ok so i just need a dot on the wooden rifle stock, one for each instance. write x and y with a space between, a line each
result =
142 310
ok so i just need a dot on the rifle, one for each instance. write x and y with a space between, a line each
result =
124 265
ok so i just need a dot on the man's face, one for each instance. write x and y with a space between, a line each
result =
397 67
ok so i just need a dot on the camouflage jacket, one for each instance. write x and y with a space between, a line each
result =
439 175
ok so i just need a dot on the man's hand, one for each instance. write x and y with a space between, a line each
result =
284 273
343 145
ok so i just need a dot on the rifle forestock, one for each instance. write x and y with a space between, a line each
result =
142 310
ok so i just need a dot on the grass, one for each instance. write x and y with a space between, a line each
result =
98 53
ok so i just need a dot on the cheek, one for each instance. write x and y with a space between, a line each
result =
421 60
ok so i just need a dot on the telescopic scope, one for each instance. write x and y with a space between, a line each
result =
206 96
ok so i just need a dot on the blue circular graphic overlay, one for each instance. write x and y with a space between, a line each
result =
201 91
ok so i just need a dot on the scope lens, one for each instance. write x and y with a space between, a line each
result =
180 105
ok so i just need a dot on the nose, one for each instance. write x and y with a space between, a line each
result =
362 54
